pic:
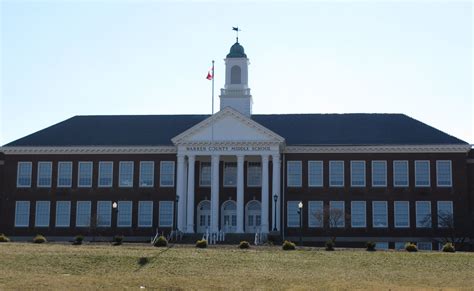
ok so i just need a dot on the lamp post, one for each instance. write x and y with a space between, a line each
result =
176 213
300 212
115 209
275 199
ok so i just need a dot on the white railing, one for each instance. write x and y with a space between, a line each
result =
260 238
213 237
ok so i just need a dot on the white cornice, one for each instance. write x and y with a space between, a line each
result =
380 149
95 150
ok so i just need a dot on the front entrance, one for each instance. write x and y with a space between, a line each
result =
229 216
253 217
203 216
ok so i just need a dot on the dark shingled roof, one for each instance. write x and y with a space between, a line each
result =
297 129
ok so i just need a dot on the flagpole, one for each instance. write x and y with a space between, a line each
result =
213 76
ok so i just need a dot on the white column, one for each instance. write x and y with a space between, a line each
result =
215 193
240 194
180 192
190 212
265 203
276 191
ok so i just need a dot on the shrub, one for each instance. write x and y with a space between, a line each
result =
330 245
370 246
202 244
244 245
288 246
411 247
39 239
118 239
161 242
78 239
4 238
448 248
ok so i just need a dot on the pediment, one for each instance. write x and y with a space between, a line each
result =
227 125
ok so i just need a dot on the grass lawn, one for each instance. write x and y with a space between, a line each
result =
62 266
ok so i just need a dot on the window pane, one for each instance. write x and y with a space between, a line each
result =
124 214
85 174
167 174
422 173
44 174
22 214
424 246
357 173
400 173
230 174
104 213
254 174
145 213
315 173
402 214
106 174
293 218
381 245
445 214
63 213
83 213
336 214
315 214
147 172
205 179
443 174
24 174
358 214
294 173
126 174
423 214
64 174
379 214
336 173
166 213
379 173
42 214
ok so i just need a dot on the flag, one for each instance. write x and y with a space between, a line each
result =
210 74
235 28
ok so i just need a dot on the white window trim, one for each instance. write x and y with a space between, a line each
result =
160 224
320 202
365 214
109 214
408 173
365 175
429 174
101 163
59 175
36 213
18 174
451 174
223 176
395 214
416 214
437 210
79 174
152 175
77 212
56 218
200 175
385 163
386 216
139 212
343 174
248 175
120 174
28 214
287 212
322 173
50 175
300 184
161 173
344 211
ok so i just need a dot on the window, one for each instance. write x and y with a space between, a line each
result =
445 214
63 213
205 177
84 174
83 214
357 173
235 75
379 214
315 214
423 214
358 214
443 174
126 174
400 173
124 214
254 174
24 174
400 245
294 173
104 213
22 214
147 173
381 245
422 173
336 214
44 174
293 217
42 214
230 174
167 174
379 173
402 214
166 214
336 173
315 173
64 174
145 213
106 170
424 246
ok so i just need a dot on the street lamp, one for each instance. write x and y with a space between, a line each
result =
275 198
300 212
115 209
176 213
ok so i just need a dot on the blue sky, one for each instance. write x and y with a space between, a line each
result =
66 58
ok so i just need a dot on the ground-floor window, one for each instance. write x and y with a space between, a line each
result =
42 214
402 214
315 214
166 214
104 213
124 214
358 217
22 214
83 214
423 214
145 213
381 245
63 213
379 214
400 245
336 214
424 246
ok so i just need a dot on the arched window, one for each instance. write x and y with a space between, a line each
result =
235 75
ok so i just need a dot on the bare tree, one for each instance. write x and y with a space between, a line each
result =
331 219
447 228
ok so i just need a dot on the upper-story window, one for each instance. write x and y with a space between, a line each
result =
106 170
422 173
147 174
294 173
64 174
24 174
167 174
315 173
126 174
254 174
357 173
379 173
235 75
443 174
205 175
44 174
400 173
84 174
336 173
230 174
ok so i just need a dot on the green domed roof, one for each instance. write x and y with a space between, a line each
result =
236 51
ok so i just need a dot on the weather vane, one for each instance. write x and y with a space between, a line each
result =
236 29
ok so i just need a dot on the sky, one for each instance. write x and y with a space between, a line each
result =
65 58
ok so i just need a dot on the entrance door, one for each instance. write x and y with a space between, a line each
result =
253 218
229 216
203 221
